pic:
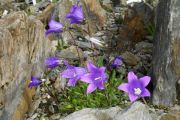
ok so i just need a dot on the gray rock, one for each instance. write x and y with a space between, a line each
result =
93 114
84 45
130 59
144 10
70 53
23 48
60 83
137 111
55 116
144 47
51 109
166 57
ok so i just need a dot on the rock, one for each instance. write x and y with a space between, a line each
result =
137 111
23 48
171 116
130 59
55 116
44 16
135 21
176 108
70 53
34 106
144 47
107 5
60 84
84 45
145 11
51 109
95 14
6 5
93 114
166 57
154 3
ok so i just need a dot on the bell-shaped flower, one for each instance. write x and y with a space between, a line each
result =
116 62
34 82
73 74
96 78
135 87
54 27
52 62
76 14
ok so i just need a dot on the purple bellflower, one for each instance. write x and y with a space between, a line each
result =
52 62
76 14
54 27
34 82
135 87
73 73
96 78
116 62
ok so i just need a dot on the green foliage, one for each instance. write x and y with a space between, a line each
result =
76 98
150 28
61 44
55 1
100 61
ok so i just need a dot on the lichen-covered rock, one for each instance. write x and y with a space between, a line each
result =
137 111
23 48
93 114
171 116
130 59
71 52
166 57
95 14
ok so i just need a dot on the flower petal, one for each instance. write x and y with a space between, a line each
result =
34 82
87 78
100 85
79 13
52 62
132 97
55 25
52 31
68 73
80 71
91 67
124 87
145 80
91 88
102 69
146 93
131 77
72 82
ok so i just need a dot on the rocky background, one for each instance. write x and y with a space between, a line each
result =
125 30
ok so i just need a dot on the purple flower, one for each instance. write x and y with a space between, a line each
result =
54 27
73 73
76 14
116 62
34 82
96 78
52 62
135 87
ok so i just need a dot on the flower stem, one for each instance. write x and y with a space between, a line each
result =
144 101
51 94
76 46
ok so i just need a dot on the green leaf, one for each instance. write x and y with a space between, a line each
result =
100 61
69 106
